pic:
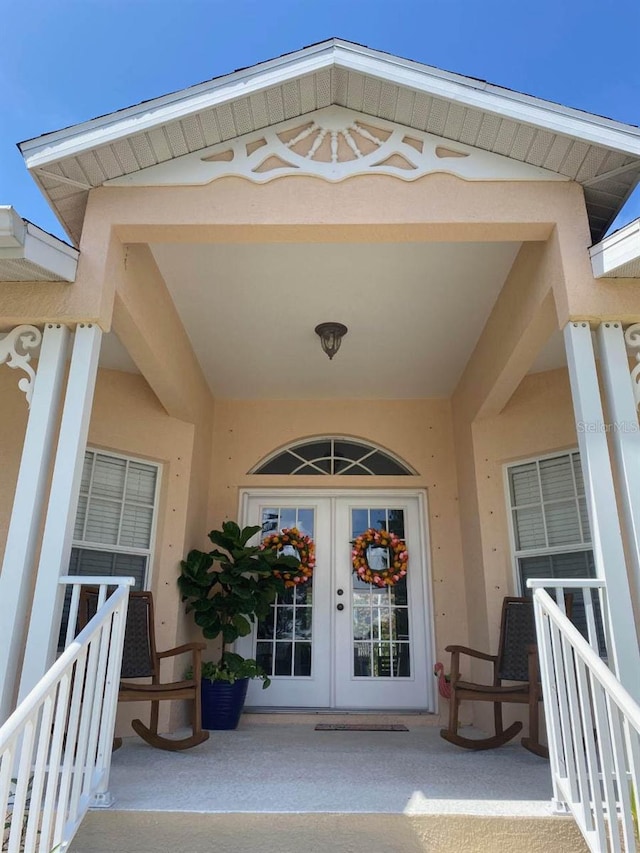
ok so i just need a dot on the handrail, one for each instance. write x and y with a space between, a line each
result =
55 749
593 724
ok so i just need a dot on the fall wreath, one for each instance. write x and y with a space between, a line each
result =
306 553
398 557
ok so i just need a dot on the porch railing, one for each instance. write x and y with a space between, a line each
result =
55 749
593 724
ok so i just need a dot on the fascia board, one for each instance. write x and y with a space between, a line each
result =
35 246
616 250
477 95
505 103
12 228
75 140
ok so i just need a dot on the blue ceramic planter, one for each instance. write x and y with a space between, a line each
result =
222 703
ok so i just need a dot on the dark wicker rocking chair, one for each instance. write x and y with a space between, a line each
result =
516 661
140 659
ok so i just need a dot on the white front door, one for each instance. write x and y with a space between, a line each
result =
336 641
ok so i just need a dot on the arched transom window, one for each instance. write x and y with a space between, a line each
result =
332 456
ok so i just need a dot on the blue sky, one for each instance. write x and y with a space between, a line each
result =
65 61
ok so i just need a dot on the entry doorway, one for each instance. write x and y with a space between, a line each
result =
336 641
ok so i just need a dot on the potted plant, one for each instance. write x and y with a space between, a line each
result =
227 589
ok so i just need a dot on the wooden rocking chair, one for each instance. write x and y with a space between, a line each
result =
516 661
141 660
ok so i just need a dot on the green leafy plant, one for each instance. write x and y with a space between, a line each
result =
9 817
227 589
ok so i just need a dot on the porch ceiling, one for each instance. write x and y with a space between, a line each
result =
414 312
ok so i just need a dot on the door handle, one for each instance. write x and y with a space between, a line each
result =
340 607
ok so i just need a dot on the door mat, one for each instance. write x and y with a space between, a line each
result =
359 727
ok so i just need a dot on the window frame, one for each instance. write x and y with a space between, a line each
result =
369 448
149 552
547 551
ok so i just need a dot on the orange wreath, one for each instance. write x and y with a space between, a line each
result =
305 547
399 557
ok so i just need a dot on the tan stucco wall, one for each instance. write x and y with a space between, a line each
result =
13 422
538 420
374 208
118 283
419 431
111 831
127 418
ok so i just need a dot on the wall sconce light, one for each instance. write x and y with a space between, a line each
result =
331 335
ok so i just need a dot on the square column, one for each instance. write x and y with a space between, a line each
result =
625 431
16 578
63 498
606 534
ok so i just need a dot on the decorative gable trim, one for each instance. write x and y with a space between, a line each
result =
334 144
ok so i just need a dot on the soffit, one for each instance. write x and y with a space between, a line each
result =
602 155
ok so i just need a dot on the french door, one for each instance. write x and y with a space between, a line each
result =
337 641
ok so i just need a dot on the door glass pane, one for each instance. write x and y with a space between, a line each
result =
380 622
284 637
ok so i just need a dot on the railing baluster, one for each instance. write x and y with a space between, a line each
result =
76 728
592 633
607 769
620 763
568 756
593 723
54 734
72 620
39 770
21 796
589 751
549 686
112 683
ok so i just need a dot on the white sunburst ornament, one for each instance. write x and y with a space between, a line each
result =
334 143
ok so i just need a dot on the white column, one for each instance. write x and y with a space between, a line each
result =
621 402
63 498
601 502
16 578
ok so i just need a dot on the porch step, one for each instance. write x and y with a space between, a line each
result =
192 832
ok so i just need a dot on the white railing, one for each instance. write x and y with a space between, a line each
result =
55 749
593 724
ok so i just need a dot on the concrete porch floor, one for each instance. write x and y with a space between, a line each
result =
280 764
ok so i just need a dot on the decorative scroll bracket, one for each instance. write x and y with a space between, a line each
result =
632 340
15 351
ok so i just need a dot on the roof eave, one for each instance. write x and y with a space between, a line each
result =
618 255
77 139
21 240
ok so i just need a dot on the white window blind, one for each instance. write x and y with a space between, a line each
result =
548 505
551 535
114 521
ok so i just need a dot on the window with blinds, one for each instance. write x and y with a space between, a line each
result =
113 532
551 535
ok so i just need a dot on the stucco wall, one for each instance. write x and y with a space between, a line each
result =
13 422
537 420
127 418
419 431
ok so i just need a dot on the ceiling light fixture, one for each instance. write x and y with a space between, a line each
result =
331 335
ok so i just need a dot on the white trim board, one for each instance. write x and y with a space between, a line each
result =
27 253
352 57
618 255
